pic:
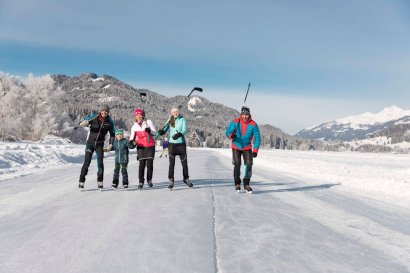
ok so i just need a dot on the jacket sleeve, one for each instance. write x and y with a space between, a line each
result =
230 129
89 118
166 127
152 127
133 135
130 146
112 131
184 128
257 136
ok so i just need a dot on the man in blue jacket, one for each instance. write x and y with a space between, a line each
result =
244 133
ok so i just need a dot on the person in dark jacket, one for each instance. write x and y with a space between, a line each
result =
121 147
244 133
100 124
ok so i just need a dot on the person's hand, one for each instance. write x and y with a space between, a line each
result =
254 154
133 143
176 136
161 132
148 130
233 136
84 123
107 148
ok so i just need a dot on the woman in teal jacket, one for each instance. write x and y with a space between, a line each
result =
176 125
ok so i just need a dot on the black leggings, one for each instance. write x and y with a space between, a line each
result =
150 168
174 150
89 150
236 161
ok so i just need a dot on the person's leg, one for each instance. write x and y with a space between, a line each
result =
237 161
89 150
141 172
100 165
115 179
171 163
124 173
150 169
171 167
248 161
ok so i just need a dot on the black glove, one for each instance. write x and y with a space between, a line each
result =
233 136
176 136
148 130
254 154
161 132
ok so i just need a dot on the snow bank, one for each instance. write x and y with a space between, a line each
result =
23 158
384 177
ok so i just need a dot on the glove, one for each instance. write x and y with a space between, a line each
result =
254 154
84 123
176 136
107 148
233 136
161 132
148 130
133 143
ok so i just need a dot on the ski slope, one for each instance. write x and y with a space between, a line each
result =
295 221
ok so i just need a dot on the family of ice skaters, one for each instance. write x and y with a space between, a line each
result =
243 132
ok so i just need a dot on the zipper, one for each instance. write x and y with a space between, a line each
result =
119 152
98 133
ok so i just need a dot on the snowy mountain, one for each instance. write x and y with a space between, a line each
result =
357 127
56 104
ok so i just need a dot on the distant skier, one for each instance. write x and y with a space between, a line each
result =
142 132
177 146
100 124
121 147
165 145
243 131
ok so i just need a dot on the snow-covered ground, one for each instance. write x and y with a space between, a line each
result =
23 158
310 212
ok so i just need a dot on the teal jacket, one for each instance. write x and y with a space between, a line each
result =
180 127
121 148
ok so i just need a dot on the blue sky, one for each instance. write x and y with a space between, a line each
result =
308 61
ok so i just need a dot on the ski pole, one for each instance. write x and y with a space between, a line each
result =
249 85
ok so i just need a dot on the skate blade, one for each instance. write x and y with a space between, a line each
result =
250 192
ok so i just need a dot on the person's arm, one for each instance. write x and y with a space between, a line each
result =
131 144
184 128
112 131
87 120
230 131
152 127
257 140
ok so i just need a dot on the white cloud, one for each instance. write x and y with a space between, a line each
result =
289 113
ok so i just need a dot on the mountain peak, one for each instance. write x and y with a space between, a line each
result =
389 113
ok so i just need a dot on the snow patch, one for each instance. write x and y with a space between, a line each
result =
97 80
23 158
195 104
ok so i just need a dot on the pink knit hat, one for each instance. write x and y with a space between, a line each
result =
139 112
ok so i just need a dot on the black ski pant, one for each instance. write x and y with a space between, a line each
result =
89 150
237 162
149 163
123 168
174 150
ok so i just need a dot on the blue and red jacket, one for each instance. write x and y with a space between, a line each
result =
246 133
